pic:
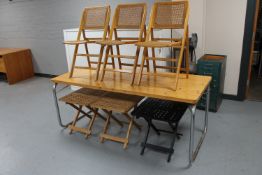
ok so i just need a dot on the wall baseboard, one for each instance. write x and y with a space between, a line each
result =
231 97
45 75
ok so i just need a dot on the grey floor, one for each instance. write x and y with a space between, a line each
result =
32 143
255 88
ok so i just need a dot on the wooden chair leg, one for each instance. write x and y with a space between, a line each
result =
87 57
119 59
91 123
112 58
99 61
135 65
86 49
75 119
105 62
105 127
142 67
94 111
187 55
154 61
128 133
73 61
114 118
134 122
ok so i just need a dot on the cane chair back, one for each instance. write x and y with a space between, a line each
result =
168 15
126 17
94 18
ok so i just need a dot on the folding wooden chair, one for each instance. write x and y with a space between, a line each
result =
80 99
120 103
167 15
128 17
94 18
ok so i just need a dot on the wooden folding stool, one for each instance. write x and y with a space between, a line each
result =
127 17
80 99
94 18
167 15
119 103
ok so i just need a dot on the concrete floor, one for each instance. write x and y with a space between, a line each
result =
32 143
255 88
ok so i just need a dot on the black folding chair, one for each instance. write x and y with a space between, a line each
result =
165 111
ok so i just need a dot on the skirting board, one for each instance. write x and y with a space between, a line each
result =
45 75
231 97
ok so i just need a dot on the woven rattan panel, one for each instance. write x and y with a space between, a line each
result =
130 17
116 102
170 16
83 97
162 110
95 18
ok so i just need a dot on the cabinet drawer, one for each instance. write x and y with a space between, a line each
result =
2 65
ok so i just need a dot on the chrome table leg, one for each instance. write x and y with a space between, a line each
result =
57 107
193 153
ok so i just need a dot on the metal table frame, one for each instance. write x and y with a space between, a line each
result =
193 152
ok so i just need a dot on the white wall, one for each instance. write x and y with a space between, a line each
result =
197 23
39 24
197 20
225 20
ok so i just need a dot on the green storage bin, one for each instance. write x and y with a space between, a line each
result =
215 66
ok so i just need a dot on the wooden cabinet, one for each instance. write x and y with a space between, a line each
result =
16 64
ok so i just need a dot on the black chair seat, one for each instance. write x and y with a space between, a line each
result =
161 110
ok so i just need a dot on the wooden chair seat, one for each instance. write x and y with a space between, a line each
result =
83 97
79 99
115 42
120 103
117 102
158 44
79 42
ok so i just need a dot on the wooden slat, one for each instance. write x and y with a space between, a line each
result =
76 42
90 55
167 39
162 59
169 67
128 38
129 64
115 42
157 44
82 67
119 70
77 129
122 56
94 62
114 138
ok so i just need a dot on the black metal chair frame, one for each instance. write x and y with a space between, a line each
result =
172 117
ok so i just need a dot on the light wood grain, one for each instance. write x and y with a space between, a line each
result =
16 63
2 66
189 90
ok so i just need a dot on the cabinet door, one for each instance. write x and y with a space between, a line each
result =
2 65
